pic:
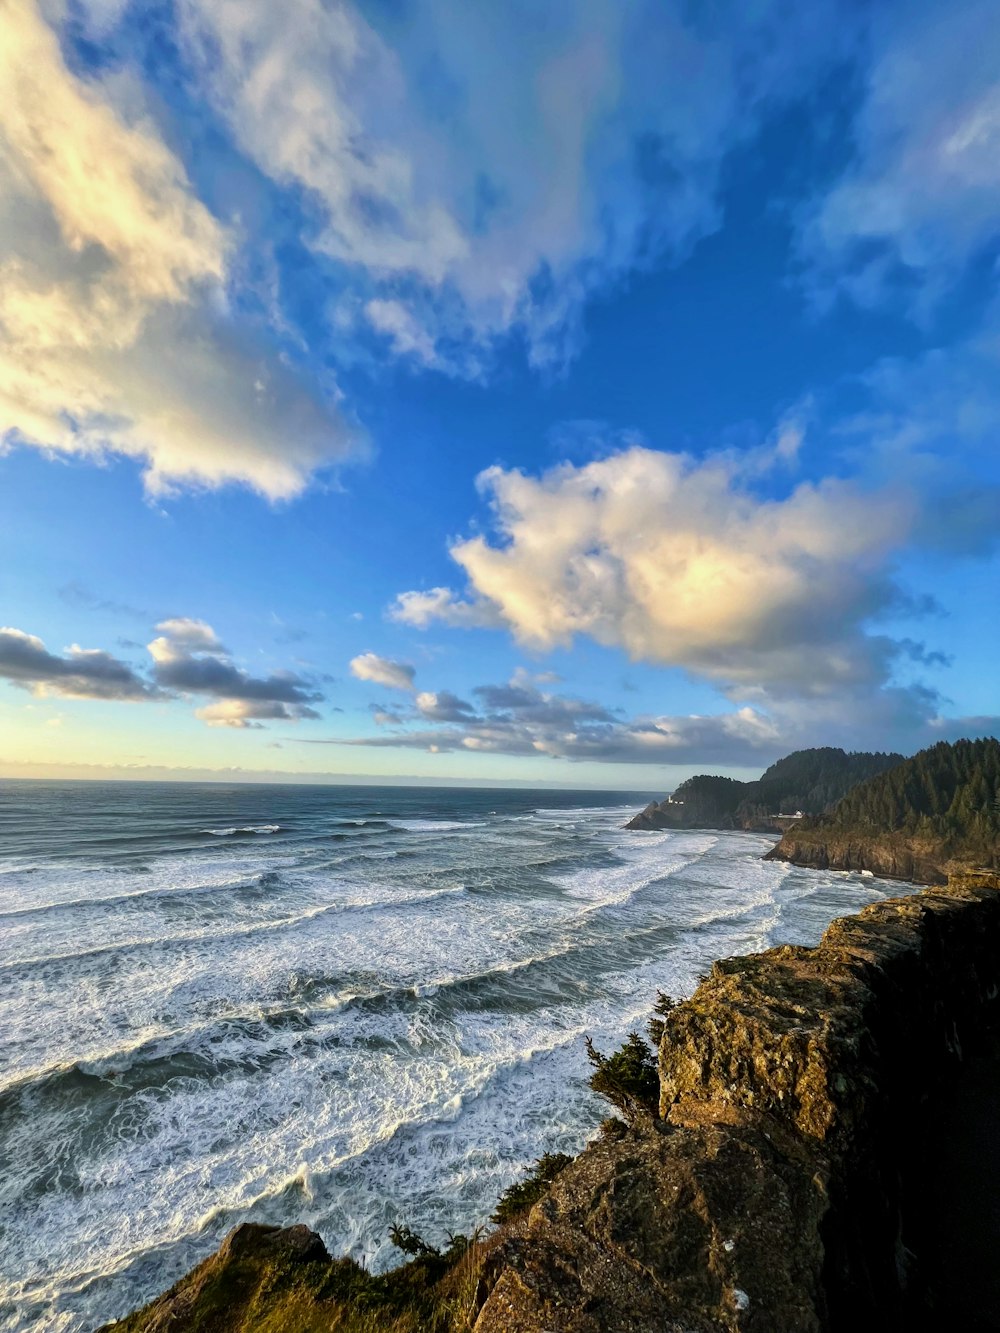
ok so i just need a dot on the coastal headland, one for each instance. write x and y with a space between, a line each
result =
786 1183
928 817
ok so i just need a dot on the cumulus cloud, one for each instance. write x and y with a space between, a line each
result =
116 336
679 562
383 671
82 673
182 636
443 706
189 659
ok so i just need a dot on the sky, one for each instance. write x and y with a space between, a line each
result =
586 392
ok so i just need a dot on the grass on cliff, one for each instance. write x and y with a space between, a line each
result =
433 1293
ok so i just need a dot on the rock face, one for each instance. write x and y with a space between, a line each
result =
891 856
781 1189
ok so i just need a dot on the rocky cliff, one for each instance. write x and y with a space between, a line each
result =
781 1188
915 858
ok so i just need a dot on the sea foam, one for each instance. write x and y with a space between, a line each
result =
290 1031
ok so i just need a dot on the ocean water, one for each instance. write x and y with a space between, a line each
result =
345 1006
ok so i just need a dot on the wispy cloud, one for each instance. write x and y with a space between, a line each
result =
921 197
482 171
77 594
520 719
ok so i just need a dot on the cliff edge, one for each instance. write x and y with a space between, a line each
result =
782 1188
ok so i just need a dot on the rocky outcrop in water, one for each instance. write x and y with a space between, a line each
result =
781 1190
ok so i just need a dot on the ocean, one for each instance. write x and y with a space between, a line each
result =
344 1006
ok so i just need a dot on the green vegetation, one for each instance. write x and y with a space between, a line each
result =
949 793
629 1079
808 780
813 780
664 1004
526 1193
708 799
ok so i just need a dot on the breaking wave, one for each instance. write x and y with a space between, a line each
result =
382 1008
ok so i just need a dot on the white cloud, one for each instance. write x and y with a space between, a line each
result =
116 336
923 190
680 563
442 605
479 169
382 671
245 714
181 636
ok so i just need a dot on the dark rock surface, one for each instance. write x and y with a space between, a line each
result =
958 1239
784 1188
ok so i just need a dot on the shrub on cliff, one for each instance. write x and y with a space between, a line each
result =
628 1079
662 1007
526 1193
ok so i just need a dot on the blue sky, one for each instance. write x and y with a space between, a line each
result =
581 393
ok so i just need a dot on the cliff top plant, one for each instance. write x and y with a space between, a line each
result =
526 1193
